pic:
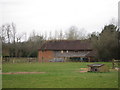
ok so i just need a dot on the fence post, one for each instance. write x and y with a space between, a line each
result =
113 64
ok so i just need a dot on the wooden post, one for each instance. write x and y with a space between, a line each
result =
113 64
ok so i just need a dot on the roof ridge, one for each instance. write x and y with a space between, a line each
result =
66 45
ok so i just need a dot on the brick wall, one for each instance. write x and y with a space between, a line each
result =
45 56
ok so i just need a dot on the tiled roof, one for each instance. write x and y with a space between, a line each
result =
95 65
72 54
67 45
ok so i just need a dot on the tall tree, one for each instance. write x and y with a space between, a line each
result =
106 43
33 44
72 33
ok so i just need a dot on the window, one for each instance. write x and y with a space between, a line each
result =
67 51
62 51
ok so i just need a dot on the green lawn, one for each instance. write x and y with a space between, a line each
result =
58 75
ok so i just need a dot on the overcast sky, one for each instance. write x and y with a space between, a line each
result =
50 15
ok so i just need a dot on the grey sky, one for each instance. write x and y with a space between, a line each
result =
50 15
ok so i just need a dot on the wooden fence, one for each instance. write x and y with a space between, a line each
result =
115 63
18 60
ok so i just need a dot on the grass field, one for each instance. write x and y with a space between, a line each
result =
58 75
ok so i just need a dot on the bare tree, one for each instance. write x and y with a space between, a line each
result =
61 35
6 33
82 33
2 34
71 34
55 37
50 36
13 32
45 36
75 34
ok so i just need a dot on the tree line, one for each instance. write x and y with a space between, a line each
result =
14 44
107 43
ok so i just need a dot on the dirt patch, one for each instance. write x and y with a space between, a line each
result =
23 73
84 69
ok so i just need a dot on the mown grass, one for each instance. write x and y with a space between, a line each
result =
58 75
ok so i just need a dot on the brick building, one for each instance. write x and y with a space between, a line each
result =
74 50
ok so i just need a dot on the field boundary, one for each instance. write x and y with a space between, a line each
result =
23 73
